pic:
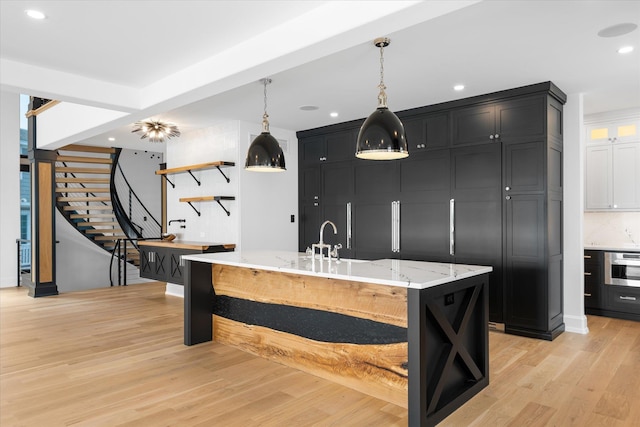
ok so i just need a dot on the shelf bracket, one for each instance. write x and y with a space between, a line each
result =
169 181
223 208
194 208
225 176
192 176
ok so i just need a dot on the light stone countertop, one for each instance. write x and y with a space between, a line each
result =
393 272
623 248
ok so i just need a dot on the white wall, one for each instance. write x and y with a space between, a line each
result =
573 196
269 199
260 215
9 186
80 263
139 168
217 142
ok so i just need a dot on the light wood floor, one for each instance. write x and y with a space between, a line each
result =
114 357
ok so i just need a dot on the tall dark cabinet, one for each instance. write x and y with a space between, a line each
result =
482 185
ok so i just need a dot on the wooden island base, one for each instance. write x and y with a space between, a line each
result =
423 349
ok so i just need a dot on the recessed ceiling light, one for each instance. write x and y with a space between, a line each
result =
617 30
333 114
111 139
35 14
458 87
625 49
309 107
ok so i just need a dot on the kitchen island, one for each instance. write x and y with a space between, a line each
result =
412 333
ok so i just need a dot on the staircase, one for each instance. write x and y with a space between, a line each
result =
83 196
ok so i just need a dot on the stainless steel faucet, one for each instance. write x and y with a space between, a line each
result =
322 245
335 230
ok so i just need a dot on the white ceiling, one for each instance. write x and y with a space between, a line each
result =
194 62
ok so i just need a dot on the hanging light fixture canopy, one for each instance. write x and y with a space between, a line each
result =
265 153
155 130
382 135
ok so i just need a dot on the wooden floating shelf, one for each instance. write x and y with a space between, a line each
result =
190 168
191 200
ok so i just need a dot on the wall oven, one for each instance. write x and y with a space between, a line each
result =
622 269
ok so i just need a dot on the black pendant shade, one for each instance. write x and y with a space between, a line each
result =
265 154
382 137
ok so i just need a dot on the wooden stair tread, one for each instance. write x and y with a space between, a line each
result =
200 166
110 231
84 208
114 237
83 180
84 199
83 190
90 215
78 159
88 148
97 224
67 169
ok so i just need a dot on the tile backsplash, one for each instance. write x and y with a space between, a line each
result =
611 229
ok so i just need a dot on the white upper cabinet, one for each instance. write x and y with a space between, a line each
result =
613 132
612 164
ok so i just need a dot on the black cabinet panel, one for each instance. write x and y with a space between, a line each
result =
427 132
424 230
372 229
524 166
337 181
375 178
341 146
473 125
309 225
427 173
336 213
525 271
312 151
309 184
521 118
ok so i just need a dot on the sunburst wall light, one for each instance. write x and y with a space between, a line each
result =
156 130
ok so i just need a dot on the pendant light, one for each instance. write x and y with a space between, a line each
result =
265 154
382 135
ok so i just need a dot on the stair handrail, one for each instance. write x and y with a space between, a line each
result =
121 216
122 258
132 192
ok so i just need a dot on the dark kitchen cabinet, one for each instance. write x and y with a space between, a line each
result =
160 260
493 165
593 280
504 120
332 147
427 132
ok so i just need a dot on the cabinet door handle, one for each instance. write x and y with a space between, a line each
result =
398 226
587 257
508 197
490 136
393 226
348 225
587 295
497 135
586 273
452 227
626 298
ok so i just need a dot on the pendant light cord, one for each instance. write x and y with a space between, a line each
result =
382 96
265 116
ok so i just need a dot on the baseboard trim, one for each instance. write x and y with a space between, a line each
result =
576 324
174 290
